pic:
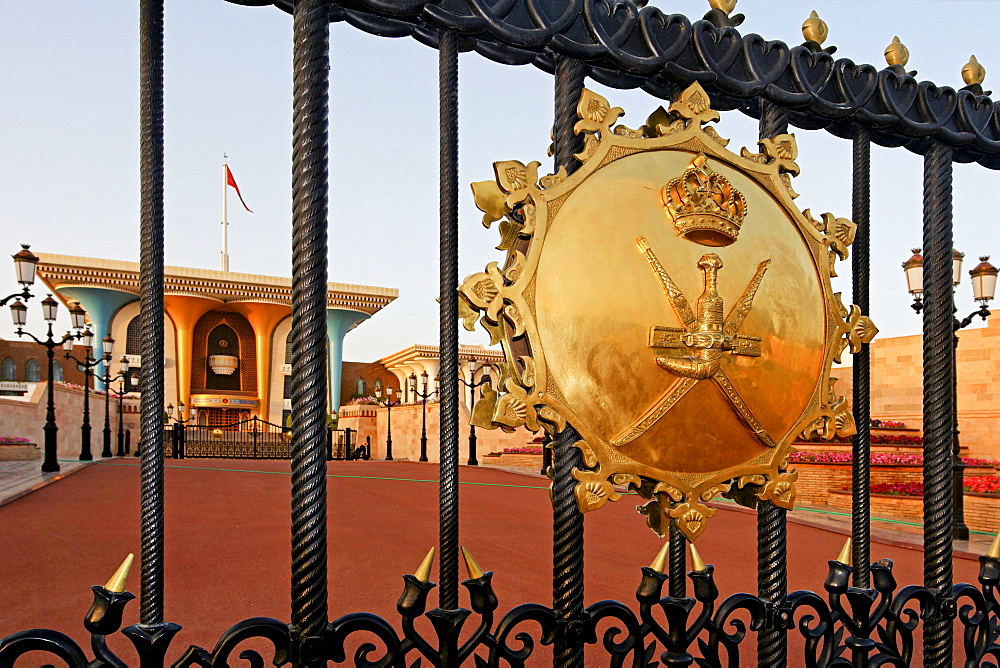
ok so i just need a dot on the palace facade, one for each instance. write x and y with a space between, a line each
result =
227 349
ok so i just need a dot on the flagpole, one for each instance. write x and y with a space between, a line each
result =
225 213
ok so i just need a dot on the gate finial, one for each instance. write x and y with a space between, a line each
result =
424 570
117 582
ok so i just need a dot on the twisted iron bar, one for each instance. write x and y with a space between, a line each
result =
678 562
569 81
310 192
567 551
151 308
772 531
448 95
567 520
861 442
938 418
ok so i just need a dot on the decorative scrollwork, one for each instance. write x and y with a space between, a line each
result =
634 47
850 626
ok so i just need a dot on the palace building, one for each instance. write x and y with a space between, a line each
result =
227 349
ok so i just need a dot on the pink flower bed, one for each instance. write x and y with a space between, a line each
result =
982 484
877 458
522 451
878 439
887 424
13 440
899 488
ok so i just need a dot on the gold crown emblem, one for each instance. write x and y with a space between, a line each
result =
704 206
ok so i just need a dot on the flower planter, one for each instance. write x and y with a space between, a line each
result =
520 461
982 511
816 479
19 452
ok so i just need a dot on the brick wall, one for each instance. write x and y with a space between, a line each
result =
816 480
982 511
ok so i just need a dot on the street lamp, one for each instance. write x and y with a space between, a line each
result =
387 402
88 363
423 409
49 308
107 379
984 282
178 430
25 263
472 385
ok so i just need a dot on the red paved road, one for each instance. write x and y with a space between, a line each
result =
227 538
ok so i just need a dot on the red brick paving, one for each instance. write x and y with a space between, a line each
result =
227 543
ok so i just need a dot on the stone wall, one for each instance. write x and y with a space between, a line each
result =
25 418
897 379
373 422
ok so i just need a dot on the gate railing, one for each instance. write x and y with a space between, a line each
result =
248 439
627 46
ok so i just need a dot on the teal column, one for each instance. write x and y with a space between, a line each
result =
101 305
338 323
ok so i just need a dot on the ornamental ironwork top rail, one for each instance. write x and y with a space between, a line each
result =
628 46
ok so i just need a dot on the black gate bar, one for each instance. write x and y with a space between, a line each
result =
567 520
938 419
861 399
310 193
448 94
772 530
151 307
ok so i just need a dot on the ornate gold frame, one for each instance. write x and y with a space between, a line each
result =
504 300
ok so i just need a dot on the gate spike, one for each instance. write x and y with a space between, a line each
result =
475 572
116 584
697 564
660 562
994 552
845 554
424 571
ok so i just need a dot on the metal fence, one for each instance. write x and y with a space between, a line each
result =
858 616
248 439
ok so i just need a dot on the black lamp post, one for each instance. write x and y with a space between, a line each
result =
107 379
387 402
178 423
984 283
108 344
88 363
472 385
49 308
423 409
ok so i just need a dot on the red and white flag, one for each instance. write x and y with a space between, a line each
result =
230 181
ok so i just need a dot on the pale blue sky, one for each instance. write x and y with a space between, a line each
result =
69 135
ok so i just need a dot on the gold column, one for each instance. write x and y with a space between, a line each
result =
185 311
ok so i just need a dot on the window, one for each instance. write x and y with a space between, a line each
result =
360 387
133 346
8 371
32 371
57 372
378 386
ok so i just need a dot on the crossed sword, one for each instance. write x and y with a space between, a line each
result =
708 336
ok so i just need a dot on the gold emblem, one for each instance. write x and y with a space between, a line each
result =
687 373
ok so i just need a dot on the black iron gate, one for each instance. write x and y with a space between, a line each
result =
247 439
860 618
